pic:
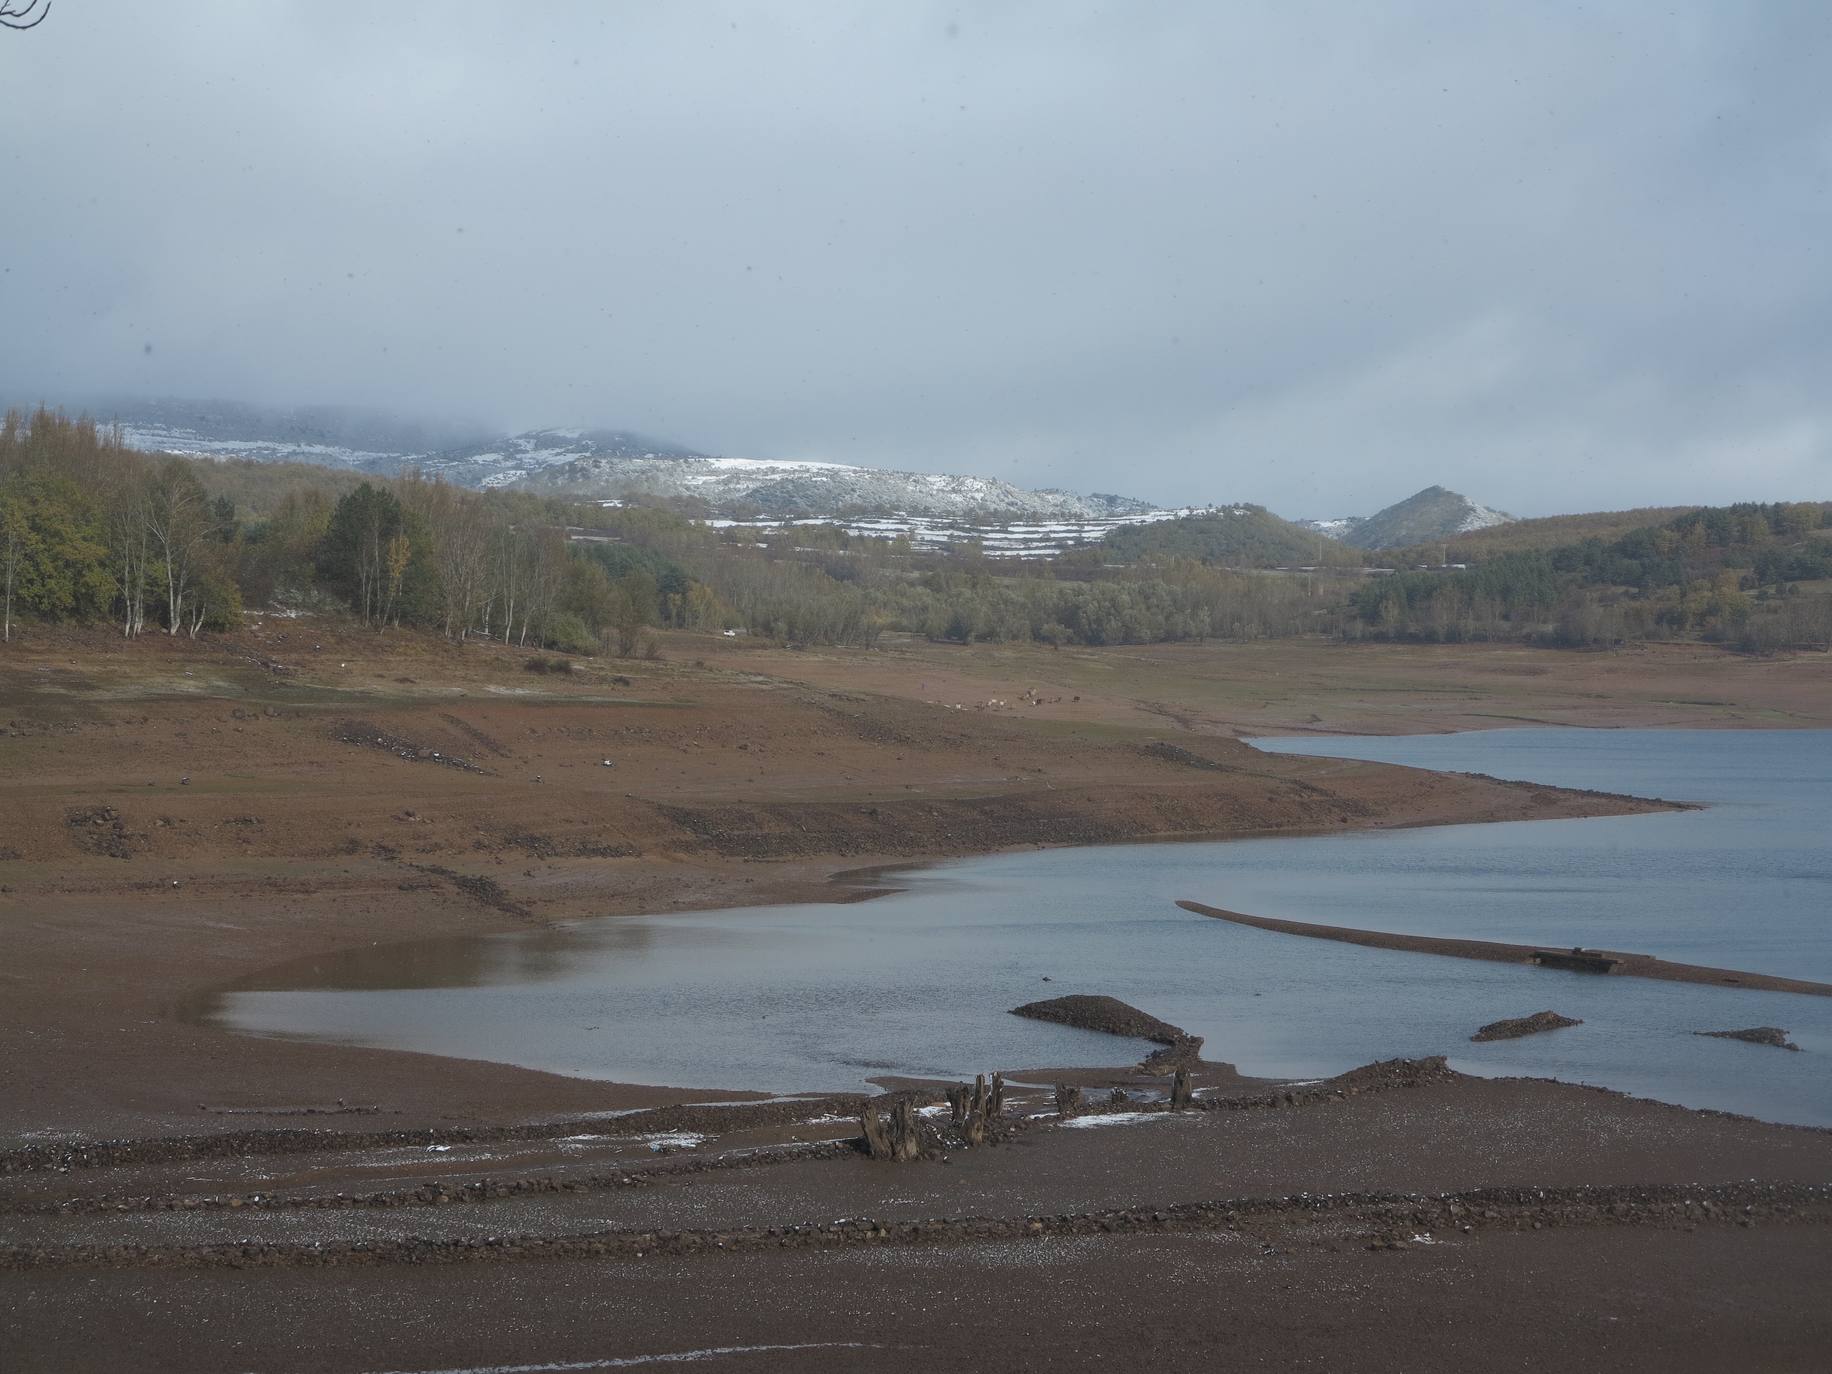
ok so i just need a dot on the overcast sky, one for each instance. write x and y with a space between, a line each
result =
1558 257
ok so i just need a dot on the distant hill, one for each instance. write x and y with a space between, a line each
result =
1751 573
605 464
1432 515
1241 535
335 436
510 460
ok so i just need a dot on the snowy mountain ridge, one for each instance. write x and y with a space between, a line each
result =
805 487
607 464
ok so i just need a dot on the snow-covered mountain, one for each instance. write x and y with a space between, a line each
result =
604 464
1432 514
513 460
787 487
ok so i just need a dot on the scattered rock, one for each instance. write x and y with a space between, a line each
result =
365 735
1525 1025
1756 1035
100 830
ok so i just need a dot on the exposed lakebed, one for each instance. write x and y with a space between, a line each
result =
920 982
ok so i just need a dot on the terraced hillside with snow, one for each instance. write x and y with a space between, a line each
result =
995 539
604 464
790 488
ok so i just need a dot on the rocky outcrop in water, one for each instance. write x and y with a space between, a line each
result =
1513 1029
1772 1036
1107 1014
1114 1017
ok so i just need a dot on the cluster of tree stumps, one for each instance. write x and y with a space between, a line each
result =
977 1111
895 1133
1069 1101
893 1129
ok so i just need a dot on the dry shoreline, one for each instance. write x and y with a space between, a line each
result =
179 817
174 817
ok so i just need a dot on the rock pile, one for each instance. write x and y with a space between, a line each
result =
1513 1029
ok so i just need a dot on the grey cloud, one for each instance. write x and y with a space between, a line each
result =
1313 255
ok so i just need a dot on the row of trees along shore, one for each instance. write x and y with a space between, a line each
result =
92 531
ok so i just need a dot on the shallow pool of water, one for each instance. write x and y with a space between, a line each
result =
920 982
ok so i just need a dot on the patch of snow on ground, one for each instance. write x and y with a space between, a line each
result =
776 464
1019 539
1337 526
1115 1119
1482 518
674 1140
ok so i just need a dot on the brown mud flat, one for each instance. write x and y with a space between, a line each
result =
1385 1218
1319 687
1493 951
1262 1213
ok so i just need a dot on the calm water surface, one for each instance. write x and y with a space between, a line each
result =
826 996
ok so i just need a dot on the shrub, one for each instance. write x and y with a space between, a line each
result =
569 634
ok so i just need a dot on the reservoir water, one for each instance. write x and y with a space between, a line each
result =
919 982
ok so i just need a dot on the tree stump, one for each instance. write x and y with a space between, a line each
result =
895 1135
1068 1100
1180 1090
976 1110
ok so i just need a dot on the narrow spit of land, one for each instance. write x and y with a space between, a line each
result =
1494 951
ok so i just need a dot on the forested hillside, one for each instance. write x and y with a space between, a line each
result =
1242 536
91 531
1750 574
1543 532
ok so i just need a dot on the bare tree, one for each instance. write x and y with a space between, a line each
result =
459 523
177 523
546 578
13 534
129 545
